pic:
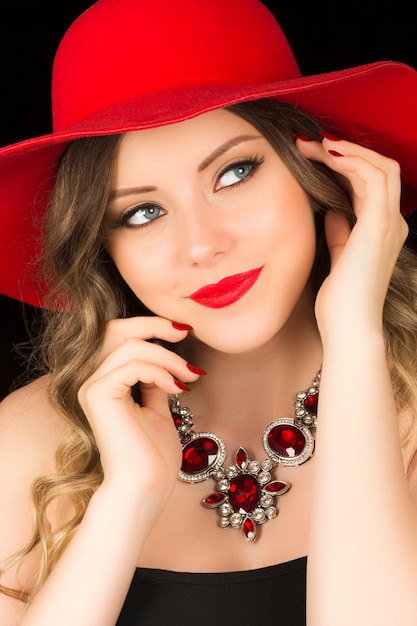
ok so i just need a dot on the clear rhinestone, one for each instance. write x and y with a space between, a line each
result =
218 473
223 485
223 522
267 465
264 477
235 520
225 509
271 512
266 501
231 471
254 467
259 516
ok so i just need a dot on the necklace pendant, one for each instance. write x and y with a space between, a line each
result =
289 441
245 496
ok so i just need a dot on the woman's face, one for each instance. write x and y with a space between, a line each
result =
201 201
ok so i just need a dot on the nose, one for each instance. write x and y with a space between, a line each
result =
204 234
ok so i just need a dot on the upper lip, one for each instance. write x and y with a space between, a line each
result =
224 285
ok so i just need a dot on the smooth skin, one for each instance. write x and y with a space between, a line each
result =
350 508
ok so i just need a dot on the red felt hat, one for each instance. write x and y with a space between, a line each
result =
133 64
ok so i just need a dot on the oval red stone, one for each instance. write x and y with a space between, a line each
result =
310 403
286 440
249 529
214 499
242 458
276 487
199 455
244 493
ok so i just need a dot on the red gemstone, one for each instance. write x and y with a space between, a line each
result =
244 493
199 455
214 499
286 440
177 420
249 529
310 403
276 487
242 458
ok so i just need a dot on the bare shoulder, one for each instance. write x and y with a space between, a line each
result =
30 430
28 421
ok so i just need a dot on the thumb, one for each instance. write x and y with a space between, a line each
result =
337 231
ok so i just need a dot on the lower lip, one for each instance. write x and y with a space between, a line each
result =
226 291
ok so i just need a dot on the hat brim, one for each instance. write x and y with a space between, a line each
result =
373 105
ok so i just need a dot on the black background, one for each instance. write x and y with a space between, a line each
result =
324 36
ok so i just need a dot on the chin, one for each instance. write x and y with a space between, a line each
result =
238 340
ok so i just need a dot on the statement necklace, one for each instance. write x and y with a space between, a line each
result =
246 492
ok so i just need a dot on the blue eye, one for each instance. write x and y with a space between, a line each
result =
141 215
238 172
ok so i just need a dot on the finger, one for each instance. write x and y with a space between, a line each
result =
368 172
153 397
146 328
337 231
116 384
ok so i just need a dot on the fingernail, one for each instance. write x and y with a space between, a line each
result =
327 135
179 326
300 136
181 385
334 153
196 370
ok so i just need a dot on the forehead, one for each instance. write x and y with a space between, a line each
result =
199 133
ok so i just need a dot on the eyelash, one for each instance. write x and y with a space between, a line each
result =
253 162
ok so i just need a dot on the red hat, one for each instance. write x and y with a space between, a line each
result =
133 64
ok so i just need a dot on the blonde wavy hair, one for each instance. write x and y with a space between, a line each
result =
86 291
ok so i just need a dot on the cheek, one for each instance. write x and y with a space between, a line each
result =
288 222
141 269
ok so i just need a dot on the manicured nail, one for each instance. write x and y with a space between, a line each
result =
181 385
327 135
334 153
196 370
179 326
300 136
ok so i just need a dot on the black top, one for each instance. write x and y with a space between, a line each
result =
270 595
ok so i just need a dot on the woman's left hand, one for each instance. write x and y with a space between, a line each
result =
362 259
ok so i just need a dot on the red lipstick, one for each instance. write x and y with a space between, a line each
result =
226 291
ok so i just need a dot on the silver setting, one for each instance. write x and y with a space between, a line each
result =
214 466
297 459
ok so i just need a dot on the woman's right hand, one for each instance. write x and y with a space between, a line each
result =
139 445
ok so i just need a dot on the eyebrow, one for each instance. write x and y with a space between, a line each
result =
228 145
129 191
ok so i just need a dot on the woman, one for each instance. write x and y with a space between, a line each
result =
219 250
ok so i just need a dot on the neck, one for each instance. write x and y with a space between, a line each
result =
243 392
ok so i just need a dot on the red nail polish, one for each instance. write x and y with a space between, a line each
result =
334 153
179 326
181 385
196 370
327 135
300 136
